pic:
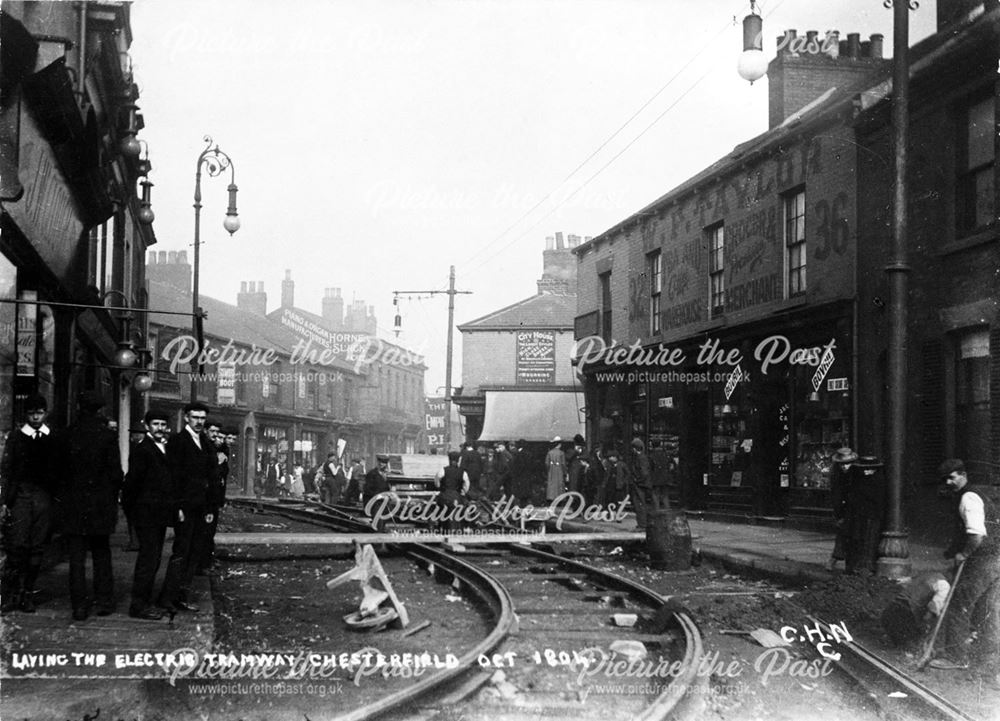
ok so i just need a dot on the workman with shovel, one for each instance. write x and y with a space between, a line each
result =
976 548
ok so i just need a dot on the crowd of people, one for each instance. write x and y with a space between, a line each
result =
70 482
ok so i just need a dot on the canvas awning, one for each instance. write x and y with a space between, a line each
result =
532 415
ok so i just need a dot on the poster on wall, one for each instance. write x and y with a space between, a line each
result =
536 357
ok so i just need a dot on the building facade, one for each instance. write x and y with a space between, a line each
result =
517 378
73 232
737 324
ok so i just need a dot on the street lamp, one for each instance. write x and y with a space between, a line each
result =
752 64
215 162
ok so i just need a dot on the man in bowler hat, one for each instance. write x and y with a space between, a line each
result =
193 470
147 498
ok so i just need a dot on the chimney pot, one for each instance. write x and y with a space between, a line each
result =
182 257
811 40
253 286
172 256
163 256
243 286
789 41
832 44
550 242
866 49
260 286
876 46
854 45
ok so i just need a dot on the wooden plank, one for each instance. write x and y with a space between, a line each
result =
347 539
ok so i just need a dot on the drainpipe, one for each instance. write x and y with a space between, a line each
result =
81 77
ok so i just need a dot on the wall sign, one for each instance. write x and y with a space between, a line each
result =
536 357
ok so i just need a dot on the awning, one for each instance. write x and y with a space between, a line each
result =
532 415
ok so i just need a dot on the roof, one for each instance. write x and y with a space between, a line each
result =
544 310
384 345
222 320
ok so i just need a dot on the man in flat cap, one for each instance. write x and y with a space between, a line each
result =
377 479
147 498
976 542
87 503
28 473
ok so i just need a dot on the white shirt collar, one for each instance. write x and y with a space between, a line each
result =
196 436
30 432
159 444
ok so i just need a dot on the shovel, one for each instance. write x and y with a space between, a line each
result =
929 649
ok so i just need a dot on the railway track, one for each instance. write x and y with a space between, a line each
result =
546 605
551 640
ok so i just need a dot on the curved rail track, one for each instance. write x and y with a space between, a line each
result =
545 602
542 604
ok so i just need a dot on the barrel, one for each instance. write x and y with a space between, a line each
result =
668 540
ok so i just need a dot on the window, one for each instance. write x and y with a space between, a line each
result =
795 242
716 270
605 282
975 190
655 289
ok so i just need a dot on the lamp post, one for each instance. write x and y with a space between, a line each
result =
893 550
215 162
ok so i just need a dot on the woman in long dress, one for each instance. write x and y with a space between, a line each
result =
298 481
555 462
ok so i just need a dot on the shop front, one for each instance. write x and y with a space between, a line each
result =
754 440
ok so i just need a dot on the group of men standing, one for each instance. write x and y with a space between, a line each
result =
71 482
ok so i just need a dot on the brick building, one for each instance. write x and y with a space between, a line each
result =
517 379
389 390
775 253
73 230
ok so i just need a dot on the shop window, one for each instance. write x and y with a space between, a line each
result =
716 269
972 396
795 241
605 283
654 262
976 190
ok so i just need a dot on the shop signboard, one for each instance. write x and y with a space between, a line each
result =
434 421
225 385
536 357
27 333
824 367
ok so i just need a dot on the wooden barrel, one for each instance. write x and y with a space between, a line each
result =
668 540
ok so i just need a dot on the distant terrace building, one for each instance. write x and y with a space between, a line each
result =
517 378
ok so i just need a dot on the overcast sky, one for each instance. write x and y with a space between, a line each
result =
375 144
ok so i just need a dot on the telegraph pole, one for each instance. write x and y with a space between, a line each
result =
451 337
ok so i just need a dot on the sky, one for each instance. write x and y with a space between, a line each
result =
377 143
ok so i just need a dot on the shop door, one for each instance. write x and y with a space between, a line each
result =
695 440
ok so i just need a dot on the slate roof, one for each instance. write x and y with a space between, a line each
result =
544 310
224 320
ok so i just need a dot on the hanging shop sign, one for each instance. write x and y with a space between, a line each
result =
733 381
824 367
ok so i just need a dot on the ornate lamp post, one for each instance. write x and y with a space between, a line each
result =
215 162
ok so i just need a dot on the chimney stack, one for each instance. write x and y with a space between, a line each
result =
252 297
288 291
807 67
558 265
170 268
333 309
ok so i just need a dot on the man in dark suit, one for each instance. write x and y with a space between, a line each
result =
28 471
147 498
216 496
87 503
193 468
377 479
